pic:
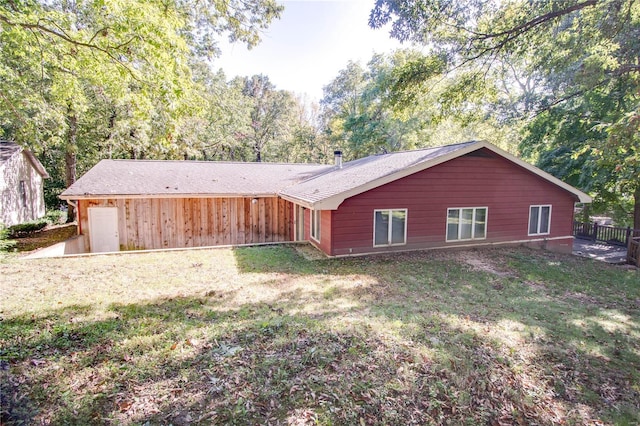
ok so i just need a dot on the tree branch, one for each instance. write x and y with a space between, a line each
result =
18 115
507 36
529 25
626 69
61 34
569 97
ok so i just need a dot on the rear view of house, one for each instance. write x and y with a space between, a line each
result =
462 195
468 194
21 185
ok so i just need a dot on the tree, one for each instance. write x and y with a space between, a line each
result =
363 117
361 121
111 77
578 53
270 114
307 142
341 101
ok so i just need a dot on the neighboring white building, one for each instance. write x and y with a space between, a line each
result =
21 185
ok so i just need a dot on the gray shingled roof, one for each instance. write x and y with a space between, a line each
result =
326 191
187 178
9 149
310 185
363 172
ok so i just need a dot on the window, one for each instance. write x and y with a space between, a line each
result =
23 193
468 223
539 220
389 227
316 216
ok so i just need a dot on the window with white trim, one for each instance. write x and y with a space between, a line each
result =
23 193
539 220
316 216
467 223
389 227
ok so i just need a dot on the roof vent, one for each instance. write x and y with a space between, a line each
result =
338 158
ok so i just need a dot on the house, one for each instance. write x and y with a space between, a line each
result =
467 194
21 185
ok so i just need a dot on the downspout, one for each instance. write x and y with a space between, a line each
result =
74 204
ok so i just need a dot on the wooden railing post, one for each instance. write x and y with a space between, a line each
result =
628 236
595 231
633 251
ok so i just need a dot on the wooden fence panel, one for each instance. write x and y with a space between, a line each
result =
166 222
179 231
247 220
192 222
268 214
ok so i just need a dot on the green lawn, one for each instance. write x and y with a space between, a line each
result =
264 336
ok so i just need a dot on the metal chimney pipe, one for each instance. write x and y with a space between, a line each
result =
338 158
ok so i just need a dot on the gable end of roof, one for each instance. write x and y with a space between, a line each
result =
332 202
10 149
581 196
36 164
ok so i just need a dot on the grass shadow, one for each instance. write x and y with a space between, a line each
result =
421 338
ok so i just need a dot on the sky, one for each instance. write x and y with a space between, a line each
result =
305 49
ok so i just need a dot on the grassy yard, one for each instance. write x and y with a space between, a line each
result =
264 336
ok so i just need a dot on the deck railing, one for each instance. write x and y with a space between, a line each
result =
608 234
633 251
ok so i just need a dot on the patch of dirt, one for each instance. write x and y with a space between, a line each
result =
584 299
481 263
49 236
535 285
309 252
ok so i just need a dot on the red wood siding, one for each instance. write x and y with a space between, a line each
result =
325 231
154 223
469 181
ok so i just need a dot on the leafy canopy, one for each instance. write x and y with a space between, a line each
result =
570 67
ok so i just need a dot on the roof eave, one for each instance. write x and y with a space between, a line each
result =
334 201
36 163
64 196
299 201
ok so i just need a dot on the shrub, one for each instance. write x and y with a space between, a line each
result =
5 243
27 228
55 217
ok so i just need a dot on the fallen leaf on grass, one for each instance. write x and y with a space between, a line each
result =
124 406
225 350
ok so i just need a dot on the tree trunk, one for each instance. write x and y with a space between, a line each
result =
70 160
636 208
